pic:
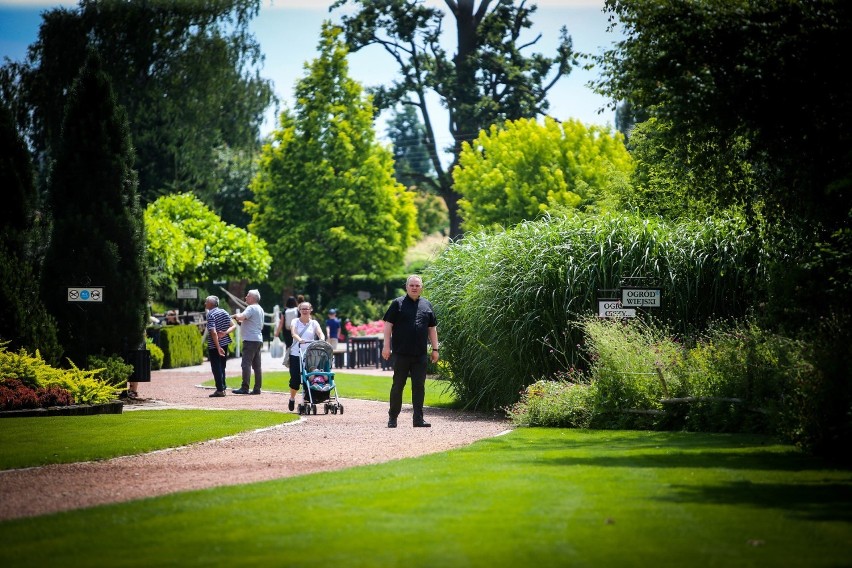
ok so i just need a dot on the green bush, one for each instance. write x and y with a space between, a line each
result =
818 412
181 345
112 370
85 387
156 354
26 323
744 376
557 404
32 370
626 363
734 378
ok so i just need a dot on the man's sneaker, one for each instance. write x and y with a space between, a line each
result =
217 394
291 405
422 424
391 422
240 391
255 391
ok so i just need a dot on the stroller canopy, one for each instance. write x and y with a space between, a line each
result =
318 356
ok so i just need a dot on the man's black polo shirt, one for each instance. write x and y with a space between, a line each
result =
411 321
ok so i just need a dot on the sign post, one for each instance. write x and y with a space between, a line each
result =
641 297
187 294
612 308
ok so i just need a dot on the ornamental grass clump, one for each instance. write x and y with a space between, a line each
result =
509 303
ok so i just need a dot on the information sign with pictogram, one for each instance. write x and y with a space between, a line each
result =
87 294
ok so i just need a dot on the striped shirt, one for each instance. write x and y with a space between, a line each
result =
218 319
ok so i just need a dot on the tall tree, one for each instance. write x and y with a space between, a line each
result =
488 80
406 132
98 234
525 169
768 75
325 198
25 323
413 168
188 243
174 65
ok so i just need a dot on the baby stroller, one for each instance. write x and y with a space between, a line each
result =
317 378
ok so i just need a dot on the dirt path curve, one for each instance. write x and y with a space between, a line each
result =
316 443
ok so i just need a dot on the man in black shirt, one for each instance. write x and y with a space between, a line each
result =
409 323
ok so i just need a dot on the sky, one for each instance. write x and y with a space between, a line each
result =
288 33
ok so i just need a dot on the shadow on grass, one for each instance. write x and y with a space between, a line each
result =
641 449
828 501
812 489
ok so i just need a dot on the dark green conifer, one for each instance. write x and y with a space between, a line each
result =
98 230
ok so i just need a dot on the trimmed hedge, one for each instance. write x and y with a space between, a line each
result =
181 345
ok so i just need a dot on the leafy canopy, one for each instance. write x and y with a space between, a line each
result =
735 80
524 169
188 242
325 197
487 81
186 72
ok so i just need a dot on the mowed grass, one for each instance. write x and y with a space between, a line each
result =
533 497
28 442
364 387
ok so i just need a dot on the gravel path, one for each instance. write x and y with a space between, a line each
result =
359 436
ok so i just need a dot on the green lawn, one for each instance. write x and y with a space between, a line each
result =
28 442
534 497
364 387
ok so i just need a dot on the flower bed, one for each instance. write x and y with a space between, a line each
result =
372 328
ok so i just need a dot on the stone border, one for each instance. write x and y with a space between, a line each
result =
114 407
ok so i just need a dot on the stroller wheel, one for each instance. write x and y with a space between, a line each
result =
314 409
325 409
301 409
340 406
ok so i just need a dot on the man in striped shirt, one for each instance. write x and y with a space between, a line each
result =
219 327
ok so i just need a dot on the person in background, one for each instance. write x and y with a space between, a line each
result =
304 328
409 323
251 328
332 328
285 321
132 390
219 327
171 318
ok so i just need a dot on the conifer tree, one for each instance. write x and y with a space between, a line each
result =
25 322
325 198
98 231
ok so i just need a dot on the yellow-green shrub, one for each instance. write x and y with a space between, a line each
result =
85 386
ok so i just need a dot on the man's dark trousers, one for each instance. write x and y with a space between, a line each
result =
217 364
403 366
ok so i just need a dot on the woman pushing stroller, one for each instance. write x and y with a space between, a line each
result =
303 328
